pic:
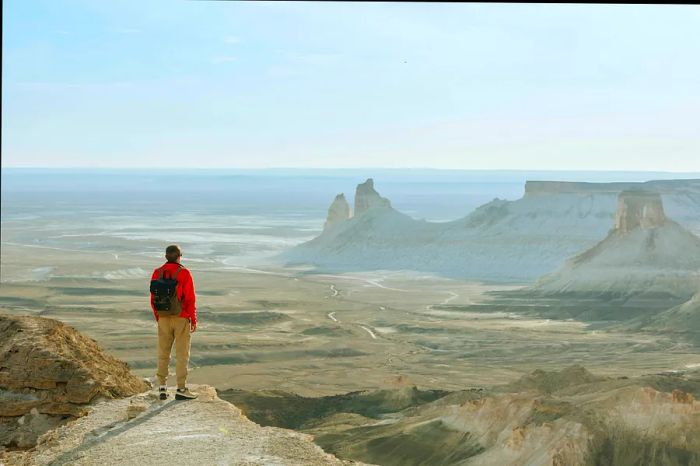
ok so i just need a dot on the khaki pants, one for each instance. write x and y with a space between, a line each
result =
173 329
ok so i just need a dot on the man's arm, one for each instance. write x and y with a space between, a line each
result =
189 300
154 276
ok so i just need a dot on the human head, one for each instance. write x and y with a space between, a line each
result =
173 253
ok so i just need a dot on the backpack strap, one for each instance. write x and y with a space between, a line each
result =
161 272
174 277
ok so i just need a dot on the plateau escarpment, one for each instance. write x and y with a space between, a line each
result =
687 188
645 253
502 241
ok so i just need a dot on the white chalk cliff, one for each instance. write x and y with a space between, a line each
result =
366 198
645 252
505 241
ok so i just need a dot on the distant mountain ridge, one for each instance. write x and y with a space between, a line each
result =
500 241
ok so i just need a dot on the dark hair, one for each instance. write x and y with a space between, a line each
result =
172 252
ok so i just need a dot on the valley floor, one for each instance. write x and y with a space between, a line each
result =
318 334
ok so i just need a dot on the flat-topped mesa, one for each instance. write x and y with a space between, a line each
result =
534 188
366 198
639 209
337 212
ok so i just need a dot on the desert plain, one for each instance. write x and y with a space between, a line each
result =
319 334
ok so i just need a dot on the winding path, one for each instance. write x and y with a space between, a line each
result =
371 333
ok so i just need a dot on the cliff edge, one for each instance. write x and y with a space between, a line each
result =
144 430
65 401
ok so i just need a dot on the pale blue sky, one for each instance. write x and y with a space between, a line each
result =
470 86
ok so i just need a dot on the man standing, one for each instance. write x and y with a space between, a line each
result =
173 304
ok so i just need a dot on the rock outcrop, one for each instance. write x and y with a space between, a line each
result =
366 197
143 430
337 212
501 241
645 253
639 209
551 381
49 373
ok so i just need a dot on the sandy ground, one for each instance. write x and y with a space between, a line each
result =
319 334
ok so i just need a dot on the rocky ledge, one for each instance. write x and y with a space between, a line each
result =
143 430
64 401
49 374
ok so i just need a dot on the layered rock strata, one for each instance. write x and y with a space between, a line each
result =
644 253
49 373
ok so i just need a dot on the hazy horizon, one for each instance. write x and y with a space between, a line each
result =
347 168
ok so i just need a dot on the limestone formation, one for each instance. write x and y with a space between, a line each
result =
366 198
50 372
337 212
644 253
502 241
639 209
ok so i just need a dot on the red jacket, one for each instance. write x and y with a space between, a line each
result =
185 290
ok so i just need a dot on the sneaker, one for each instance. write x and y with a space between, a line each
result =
184 394
163 393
